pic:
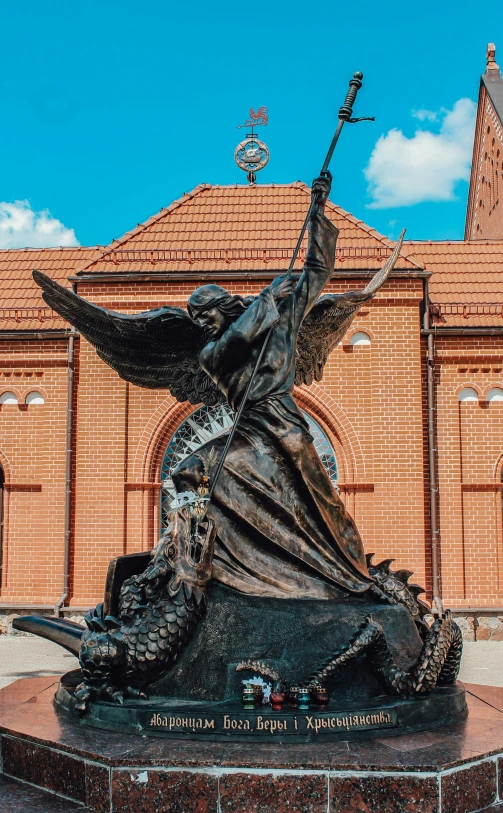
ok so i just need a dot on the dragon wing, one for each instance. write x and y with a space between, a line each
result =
153 349
328 321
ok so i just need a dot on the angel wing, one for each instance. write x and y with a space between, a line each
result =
328 321
153 349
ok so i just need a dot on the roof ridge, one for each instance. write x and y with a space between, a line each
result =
272 185
385 241
152 219
52 248
485 241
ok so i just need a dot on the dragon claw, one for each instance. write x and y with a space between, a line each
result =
112 693
132 691
83 694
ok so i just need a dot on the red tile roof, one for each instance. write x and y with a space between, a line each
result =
244 228
238 228
467 280
21 306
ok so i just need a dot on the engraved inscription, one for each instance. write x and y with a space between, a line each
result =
302 724
236 724
349 721
181 723
273 725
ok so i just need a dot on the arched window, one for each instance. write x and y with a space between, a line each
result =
8 398
35 398
496 394
468 394
210 422
360 339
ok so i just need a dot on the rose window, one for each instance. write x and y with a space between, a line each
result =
210 422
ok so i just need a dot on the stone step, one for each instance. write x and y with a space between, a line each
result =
448 770
16 797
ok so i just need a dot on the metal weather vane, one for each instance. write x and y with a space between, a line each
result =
258 119
251 155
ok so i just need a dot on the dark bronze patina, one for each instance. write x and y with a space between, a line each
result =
256 520
282 529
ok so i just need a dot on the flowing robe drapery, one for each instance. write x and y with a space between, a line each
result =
282 529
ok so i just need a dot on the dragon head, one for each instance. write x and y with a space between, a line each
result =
184 554
187 547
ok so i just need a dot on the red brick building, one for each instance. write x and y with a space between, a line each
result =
418 380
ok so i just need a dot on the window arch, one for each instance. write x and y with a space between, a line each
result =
35 397
206 423
8 398
360 339
468 394
495 394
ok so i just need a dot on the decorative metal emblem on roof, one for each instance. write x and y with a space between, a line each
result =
251 155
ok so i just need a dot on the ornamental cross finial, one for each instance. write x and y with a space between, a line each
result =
491 58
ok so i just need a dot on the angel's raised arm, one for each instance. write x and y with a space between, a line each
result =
154 349
319 265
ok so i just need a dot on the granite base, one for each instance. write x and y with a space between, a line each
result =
455 769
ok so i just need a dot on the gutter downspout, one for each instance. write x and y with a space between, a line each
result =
432 455
68 473
2 506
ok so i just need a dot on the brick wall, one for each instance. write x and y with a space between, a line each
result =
470 448
32 454
371 403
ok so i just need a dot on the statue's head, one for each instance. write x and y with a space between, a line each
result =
214 308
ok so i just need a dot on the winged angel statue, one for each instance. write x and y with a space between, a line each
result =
282 529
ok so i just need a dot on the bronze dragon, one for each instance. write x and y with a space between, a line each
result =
158 612
437 665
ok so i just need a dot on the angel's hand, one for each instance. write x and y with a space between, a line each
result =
282 287
320 189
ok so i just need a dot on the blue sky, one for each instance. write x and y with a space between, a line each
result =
112 110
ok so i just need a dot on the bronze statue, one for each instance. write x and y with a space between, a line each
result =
282 529
261 568
278 527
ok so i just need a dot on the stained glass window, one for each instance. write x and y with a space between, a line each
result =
210 422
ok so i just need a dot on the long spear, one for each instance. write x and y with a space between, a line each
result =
345 113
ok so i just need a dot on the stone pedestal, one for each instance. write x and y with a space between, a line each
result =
455 769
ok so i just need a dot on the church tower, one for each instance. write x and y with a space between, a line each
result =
484 216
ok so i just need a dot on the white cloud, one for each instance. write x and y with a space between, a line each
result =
404 171
425 115
20 226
